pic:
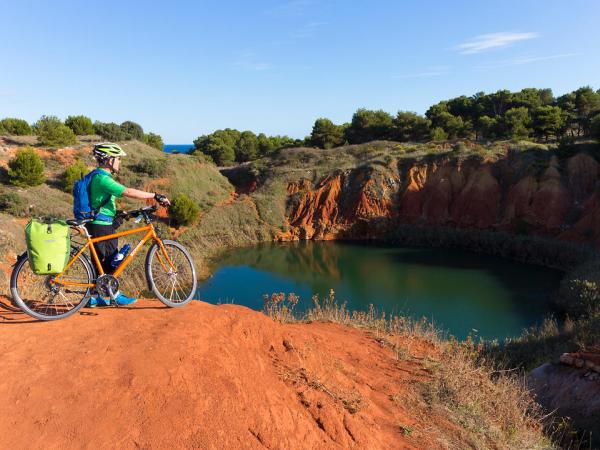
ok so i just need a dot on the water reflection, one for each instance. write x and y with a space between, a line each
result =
461 291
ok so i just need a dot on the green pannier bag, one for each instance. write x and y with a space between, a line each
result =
48 245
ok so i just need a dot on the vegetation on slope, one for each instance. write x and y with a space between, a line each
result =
527 114
52 132
255 210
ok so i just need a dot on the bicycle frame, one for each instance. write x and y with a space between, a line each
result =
150 233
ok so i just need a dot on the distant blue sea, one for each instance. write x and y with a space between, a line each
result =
181 148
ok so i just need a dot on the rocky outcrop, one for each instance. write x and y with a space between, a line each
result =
571 389
586 360
546 197
338 202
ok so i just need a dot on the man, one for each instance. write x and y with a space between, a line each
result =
103 192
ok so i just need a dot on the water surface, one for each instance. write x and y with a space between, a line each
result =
464 293
179 148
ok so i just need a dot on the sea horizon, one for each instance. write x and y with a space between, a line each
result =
179 148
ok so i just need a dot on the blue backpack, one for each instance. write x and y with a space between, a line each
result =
82 207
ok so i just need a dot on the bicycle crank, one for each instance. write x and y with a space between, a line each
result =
108 286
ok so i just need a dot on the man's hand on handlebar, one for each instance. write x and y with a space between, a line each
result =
162 199
126 215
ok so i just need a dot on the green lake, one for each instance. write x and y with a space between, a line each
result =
463 293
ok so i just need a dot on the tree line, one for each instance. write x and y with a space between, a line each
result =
53 132
527 114
227 146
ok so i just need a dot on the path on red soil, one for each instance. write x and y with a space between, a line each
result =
202 376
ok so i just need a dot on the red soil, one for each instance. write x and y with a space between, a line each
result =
206 376
559 201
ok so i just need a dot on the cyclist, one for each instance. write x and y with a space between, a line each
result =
103 192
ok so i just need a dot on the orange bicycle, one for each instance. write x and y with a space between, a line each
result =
170 273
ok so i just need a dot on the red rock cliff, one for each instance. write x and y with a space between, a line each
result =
553 199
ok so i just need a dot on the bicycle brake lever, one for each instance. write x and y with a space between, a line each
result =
138 219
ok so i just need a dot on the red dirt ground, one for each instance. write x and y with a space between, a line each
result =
205 376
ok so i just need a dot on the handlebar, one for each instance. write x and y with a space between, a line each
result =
145 213
137 212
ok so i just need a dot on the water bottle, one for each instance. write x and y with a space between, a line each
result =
120 256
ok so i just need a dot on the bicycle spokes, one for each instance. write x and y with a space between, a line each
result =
172 274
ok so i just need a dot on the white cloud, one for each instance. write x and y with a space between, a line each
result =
493 40
524 60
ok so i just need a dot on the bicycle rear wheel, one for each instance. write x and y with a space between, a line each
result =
171 273
43 300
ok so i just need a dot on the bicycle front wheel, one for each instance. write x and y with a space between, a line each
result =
37 296
171 273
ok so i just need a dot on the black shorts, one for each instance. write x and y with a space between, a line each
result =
105 249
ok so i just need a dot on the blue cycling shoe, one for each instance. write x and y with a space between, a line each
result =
97 301
123 300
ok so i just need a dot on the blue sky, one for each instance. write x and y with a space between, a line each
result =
183 69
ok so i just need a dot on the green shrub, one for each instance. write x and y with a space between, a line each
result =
588 296
16 127
53 133
438 134
152 167
461 148
11 203
110 131
132 130
81 125
579 293
124 132
154 140
72 174
26 168
183 210
325 134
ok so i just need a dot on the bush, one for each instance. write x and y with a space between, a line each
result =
132 130
154 140
579 293
12 203
325 134
152 167
16 127
110 131
53 133
26 168
368 126
183 210
438 134
81 125
72 174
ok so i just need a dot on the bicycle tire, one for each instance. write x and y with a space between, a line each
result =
158 279
22 264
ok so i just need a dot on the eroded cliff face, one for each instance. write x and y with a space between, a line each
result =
340 201
557 199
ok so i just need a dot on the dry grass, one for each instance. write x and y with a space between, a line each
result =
495 406
492 406
280 308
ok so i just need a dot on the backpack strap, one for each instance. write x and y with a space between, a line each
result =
97 215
